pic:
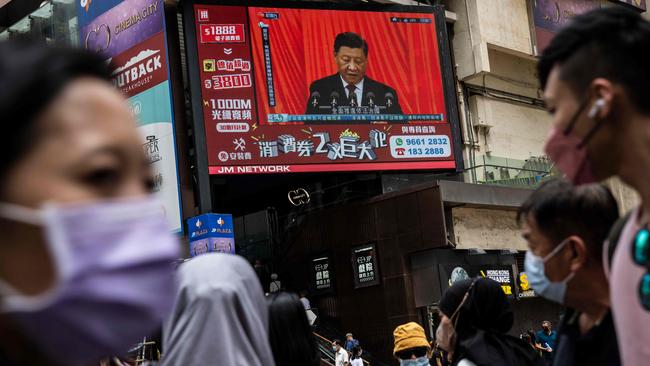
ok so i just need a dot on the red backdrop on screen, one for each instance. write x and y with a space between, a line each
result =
403 56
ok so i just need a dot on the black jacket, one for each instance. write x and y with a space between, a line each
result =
598 346
333 83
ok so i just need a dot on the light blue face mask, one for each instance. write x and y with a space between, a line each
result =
534 266
420 361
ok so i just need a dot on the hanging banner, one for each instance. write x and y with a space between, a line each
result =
122 27
131 35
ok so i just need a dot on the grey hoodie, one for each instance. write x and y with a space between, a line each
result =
220 316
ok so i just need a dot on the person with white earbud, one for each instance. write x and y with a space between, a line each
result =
595 75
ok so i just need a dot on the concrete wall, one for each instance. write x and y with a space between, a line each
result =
517 131
504 23
486 229
482 24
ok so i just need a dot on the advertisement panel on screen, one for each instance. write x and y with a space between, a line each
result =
300 90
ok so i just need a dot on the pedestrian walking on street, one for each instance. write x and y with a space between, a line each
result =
85 250
529 337
355 359
341 357
275 285
304 300
595 78
547 338
565 227
475 318
350 342
290 334
411 345
220 316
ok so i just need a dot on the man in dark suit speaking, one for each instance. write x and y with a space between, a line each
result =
350 86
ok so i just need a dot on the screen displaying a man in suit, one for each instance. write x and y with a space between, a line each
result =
350 86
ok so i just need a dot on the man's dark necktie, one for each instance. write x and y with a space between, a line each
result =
352 96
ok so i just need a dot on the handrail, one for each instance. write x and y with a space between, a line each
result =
328 341
322 338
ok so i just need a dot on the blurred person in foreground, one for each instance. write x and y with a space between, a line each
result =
475 317
595 77
411 345
220 316
85 251
565 227
290 334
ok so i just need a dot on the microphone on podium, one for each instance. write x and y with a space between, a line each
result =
314 99
371 99
334 99
390 99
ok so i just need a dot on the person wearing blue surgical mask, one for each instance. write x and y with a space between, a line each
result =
411 345
85 250
565 227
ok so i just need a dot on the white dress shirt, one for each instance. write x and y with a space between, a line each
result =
358 91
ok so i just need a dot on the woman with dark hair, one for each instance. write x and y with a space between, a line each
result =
85 250
355 359
475 317
292 340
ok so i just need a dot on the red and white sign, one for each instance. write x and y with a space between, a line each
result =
222 33
204 15
141 67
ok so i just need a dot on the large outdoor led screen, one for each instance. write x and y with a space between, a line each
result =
302 90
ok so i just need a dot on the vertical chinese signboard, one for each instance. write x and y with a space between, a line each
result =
322 279
364 266
131 35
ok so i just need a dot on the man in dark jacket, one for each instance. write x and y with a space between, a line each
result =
565 227
350 86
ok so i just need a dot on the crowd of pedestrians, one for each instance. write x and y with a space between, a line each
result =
77 284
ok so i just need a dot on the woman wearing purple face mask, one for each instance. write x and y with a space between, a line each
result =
85 251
